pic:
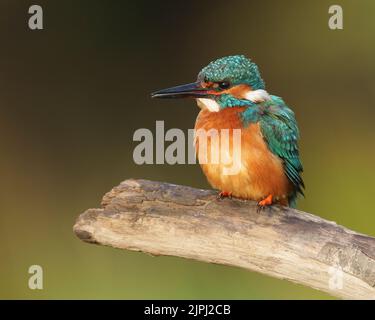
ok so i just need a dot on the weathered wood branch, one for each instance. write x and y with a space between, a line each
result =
166 219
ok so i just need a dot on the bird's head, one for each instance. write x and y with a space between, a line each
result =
226 82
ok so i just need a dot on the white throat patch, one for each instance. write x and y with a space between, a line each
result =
209 104
256 96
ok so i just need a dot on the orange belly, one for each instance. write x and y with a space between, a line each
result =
260 172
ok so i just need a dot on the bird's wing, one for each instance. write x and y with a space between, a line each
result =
279 129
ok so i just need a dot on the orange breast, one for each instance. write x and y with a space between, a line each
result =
260 172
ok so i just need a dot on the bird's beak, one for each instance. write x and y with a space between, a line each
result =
191 90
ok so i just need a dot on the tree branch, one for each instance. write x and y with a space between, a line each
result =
166 219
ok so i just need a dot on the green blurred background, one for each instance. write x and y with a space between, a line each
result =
72 95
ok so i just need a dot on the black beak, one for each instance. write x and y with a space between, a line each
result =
191 90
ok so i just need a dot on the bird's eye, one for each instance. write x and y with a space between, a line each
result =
224 84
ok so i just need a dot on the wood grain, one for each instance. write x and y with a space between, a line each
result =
167 219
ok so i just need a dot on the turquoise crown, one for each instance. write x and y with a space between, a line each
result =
236 69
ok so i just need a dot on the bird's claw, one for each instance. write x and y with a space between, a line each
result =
263 208
224 194
265 203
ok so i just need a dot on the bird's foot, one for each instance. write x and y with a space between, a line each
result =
224 194
266 202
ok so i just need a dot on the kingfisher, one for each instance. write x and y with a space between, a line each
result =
232 95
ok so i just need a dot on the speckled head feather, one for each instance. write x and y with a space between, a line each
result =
236 69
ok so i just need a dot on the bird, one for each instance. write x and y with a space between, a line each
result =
231 94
